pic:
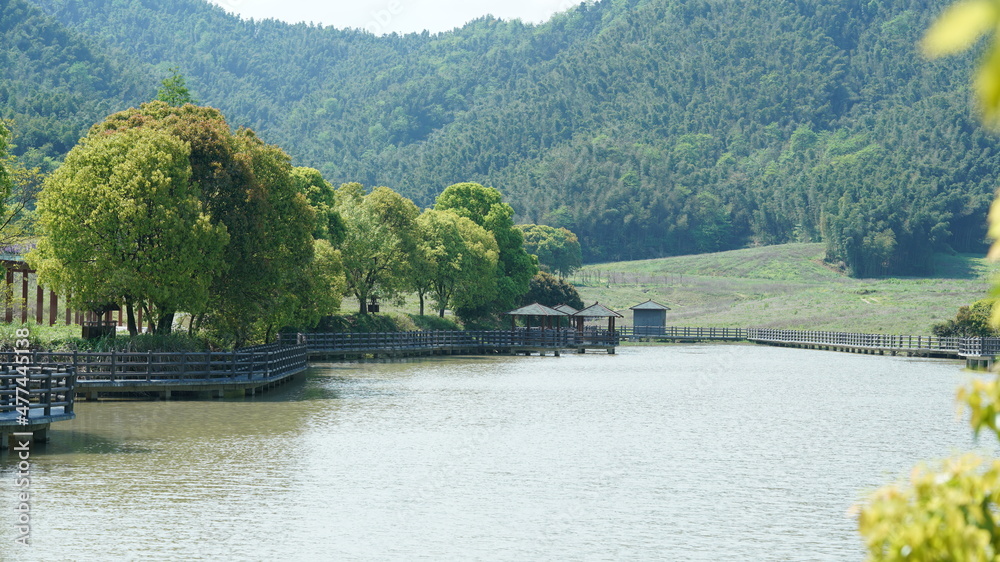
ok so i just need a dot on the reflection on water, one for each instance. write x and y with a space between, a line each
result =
673 452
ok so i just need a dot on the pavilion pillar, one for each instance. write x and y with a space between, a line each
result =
9 297
24 296
53 307
39 302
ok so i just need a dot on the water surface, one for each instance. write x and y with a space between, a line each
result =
695 452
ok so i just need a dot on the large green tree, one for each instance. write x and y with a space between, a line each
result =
248 187
378 242
515 267
557 249
122 223
459 260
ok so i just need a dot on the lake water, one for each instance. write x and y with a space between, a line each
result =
681 452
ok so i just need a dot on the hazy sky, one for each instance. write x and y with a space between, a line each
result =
387 16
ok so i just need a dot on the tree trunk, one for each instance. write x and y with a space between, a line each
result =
133 330
421 304
363 298
166 324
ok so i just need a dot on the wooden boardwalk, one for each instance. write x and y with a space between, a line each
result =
46 392
344 345
977 352
177 374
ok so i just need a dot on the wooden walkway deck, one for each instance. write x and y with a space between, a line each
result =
30 404
977 352
503 342
176 374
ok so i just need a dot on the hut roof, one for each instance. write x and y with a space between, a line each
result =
536 310
567 309
650 305
598 310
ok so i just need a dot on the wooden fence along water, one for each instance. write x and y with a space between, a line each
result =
167 374
31 401
511 342
976 351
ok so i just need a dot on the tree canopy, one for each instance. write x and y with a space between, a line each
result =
378 242
173 90
244 188
515 267
460 260
557 249
122 222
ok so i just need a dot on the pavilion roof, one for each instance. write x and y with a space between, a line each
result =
536 310
597 310
567 309
650 305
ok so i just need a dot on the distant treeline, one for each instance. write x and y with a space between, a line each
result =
647 127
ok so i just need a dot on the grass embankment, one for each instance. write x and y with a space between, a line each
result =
785 286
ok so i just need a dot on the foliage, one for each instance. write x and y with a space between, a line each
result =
458 260
515 267
323 199
18 187
5 175
378 242
173 90
121 222
246 189
557 249
552 291
971 321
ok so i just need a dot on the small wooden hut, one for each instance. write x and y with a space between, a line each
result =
649 318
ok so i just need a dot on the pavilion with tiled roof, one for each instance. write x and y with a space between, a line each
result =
596 310
542 312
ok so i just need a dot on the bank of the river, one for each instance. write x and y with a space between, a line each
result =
695 452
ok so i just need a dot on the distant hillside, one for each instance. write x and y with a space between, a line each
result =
648 127
786 287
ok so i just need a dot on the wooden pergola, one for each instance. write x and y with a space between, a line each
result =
542 312
596 310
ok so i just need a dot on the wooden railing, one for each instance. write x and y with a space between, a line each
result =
347 342
262 362
44 388
962 347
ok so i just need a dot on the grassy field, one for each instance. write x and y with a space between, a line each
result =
785 286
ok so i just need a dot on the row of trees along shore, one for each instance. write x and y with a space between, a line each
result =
165 209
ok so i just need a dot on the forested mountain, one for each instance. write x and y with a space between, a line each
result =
648 127
55 83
